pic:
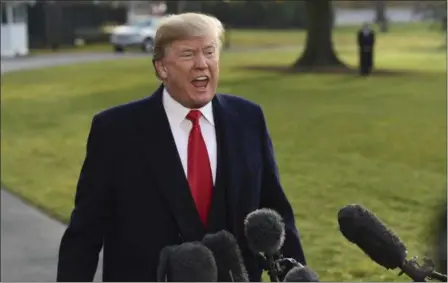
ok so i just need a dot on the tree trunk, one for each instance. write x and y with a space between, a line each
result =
180 6
319 49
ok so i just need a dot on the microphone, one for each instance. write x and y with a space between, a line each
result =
301 274
188 262
440 247
361 227
227 255
265 233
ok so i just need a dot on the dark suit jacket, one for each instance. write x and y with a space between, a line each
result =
133 196
366 41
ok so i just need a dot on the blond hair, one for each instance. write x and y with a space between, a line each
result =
184 26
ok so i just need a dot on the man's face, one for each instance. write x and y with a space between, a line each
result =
190 71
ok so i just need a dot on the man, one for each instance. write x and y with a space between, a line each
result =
366 42
158 173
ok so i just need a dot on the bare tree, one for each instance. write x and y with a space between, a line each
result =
319 48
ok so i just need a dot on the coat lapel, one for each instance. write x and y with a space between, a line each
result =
164 162
229 127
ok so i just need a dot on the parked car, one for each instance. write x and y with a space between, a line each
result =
138 33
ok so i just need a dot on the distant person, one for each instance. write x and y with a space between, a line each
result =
366 42
173 166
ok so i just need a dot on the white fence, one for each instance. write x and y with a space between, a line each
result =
360 16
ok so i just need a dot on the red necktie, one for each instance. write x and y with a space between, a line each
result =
199 170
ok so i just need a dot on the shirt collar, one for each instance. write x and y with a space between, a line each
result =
177 113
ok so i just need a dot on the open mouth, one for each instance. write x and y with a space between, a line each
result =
200 82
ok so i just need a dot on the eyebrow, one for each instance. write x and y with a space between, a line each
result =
186 49
189 49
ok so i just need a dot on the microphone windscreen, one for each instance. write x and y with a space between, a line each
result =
265 231
162 268
192 262
363 228
301 274
441 241
227 256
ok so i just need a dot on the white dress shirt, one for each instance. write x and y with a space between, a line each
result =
366 31
181 126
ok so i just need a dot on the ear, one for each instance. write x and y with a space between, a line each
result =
160 69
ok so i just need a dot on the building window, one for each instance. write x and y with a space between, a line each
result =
3 14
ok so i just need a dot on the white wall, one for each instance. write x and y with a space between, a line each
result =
360 16
14 33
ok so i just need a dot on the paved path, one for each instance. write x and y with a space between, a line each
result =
29 243
41 61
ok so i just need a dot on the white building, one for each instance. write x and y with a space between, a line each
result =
14 30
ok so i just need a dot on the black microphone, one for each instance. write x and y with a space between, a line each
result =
301 274
440 245
188 262
265 233
227 255
363 228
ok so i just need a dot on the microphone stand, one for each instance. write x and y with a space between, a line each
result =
277 266
272 269
419 273
268 264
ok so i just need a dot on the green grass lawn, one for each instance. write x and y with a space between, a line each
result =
378 141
